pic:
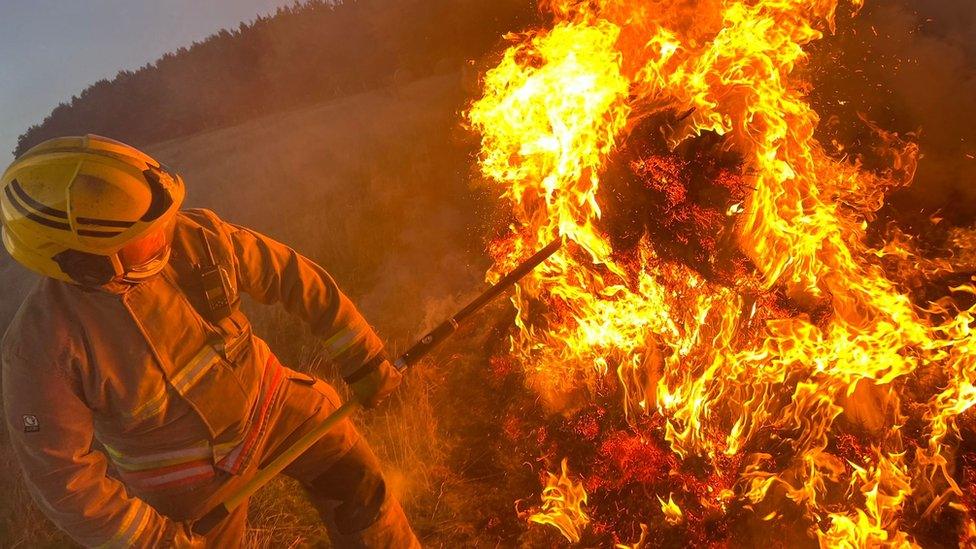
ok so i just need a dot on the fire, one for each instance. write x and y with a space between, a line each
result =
562 505
969 534
884 489
728 378
672 513
639 544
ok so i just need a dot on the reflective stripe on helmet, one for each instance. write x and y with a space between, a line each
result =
24 204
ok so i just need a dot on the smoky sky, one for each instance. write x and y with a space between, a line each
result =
910 66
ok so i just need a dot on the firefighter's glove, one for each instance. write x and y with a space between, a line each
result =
374 381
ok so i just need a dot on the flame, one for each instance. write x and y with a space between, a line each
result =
884 488
672 513
562 505
639 544
553 110
969 534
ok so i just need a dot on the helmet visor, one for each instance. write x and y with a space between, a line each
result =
147 255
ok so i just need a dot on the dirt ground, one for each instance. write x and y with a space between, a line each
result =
375 187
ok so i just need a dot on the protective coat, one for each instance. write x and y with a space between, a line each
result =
124 405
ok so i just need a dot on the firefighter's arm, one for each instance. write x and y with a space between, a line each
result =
51 431
274 273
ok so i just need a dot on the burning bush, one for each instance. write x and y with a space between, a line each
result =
733 352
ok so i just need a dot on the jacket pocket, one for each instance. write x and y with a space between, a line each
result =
319 386
212 387
300 378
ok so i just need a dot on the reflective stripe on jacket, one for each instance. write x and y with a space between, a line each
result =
137 380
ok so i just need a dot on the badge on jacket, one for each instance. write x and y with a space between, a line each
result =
31 425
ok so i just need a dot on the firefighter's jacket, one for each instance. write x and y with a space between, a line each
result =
115 399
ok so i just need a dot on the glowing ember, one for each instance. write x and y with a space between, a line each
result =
562 505
730 374
969 534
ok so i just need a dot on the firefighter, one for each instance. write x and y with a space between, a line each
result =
136 394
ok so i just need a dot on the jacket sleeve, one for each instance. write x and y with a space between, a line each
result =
274 273
51 431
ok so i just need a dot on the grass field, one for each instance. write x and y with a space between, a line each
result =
376 188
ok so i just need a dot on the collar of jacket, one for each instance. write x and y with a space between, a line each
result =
115 287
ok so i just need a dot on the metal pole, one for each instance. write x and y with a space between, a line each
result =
446 328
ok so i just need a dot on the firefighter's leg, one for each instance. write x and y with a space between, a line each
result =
353 500
184 507
341 474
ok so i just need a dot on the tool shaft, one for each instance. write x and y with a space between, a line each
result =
446 328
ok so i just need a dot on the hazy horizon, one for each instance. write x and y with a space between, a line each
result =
54 49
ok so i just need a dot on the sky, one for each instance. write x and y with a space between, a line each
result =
53 49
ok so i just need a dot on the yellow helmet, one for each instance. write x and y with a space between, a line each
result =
89 210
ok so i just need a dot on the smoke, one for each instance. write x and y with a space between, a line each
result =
910 66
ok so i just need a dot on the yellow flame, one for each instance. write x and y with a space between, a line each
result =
884 487
672 513
969 533
563 503
553 110
639 544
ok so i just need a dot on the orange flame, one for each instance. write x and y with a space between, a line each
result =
639 544
672 513
562 505
551 114
969 533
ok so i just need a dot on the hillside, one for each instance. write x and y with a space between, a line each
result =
325 176
303 54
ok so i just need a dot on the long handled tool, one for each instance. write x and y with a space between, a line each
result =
206 523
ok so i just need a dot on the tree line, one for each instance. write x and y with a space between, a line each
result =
304 53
